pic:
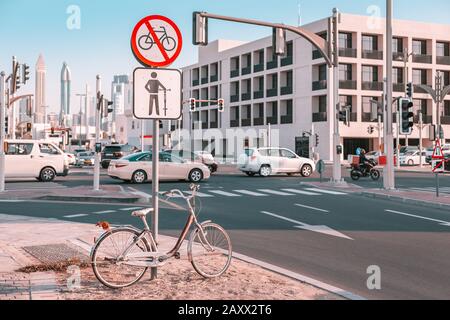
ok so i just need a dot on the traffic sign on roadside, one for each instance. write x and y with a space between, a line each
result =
437 153
157 94
156 41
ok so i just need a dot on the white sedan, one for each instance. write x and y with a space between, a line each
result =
412 158
137 168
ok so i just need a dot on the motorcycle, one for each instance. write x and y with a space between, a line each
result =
358 172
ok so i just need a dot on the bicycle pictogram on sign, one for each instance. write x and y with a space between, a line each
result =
156 41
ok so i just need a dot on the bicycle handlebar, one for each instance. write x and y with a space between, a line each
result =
172 193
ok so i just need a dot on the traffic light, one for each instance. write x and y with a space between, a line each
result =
279 41
406 116
16 78
316 140
409 90
161 124
25 73
199 30
106 110
344 116
221 105
52 130
192 105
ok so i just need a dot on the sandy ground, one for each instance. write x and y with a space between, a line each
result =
177 280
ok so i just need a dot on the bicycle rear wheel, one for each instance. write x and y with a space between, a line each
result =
210 256
108 269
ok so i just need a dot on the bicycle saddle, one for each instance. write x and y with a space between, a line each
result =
142 213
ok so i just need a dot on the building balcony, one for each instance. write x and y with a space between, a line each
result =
246 70
246 122
271 92
287 119
195 83
445 120
427 119
258 67
205 125
214 78
372 85
205 80
422 58
320 117
418 89
319 85
353 117
258 94
272 120
367 117
234 123
173 127
348 52
287 61
213 125
258 121
234 73
443 60
316 54
246 96
286 90
372 54
347 84
398 56
234 98
399 87
272 64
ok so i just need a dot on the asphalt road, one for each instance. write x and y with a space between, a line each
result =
330 237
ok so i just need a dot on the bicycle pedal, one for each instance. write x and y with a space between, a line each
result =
177 256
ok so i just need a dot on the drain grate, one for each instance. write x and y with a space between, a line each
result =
55 253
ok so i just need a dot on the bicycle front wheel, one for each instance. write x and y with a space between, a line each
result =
108 263
210 255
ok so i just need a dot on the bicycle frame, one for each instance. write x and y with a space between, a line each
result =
192 220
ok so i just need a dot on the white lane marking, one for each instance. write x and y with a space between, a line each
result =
319 229
130 209
251 193
140 193
327 191
278 193
224 193
308 193
199 194
441 222
76 216
12 201
103 212
312 208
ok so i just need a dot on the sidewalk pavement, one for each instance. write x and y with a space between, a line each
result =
26 242
423 198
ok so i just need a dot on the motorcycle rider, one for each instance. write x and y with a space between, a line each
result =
364 163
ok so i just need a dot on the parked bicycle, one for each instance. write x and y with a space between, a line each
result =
146 42
122 255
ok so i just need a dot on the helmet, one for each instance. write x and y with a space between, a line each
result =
363 151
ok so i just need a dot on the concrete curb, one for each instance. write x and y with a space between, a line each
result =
90 199
423 203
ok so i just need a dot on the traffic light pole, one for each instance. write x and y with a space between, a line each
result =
2 130
97 134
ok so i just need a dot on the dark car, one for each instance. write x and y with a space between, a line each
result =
115 152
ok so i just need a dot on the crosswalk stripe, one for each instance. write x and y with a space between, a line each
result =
200 194
106 211
75 216
224 193
308 193
278 193
129 209
251 193
327 191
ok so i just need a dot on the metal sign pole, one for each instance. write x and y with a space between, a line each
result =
2 130
97 137
155 187
437 185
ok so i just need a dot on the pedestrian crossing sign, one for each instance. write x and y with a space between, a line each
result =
157 94
437 153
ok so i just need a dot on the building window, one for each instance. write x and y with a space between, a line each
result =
397 45
322 104
345 72
419 76
370 43
322 72
370 73
345 40
397 75
419 47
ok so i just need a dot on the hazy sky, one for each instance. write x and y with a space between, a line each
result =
102 44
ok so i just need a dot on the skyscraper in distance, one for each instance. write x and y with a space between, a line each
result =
65 94
39 93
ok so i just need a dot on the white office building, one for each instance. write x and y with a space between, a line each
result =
289 94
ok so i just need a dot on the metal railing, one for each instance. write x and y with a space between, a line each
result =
258 121
399 87
272 64
246 96
234 98
422 58
316 54
258 94
205 80
418 89
246 122
246 70
271 92
258 67
234 123
372 54
320 117
445 120
234 73
286 90
214 78
319 85
195 83
287 61
287 119
443 60
347 84
373 86
348 52
272 120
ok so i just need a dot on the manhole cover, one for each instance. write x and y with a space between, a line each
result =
55 253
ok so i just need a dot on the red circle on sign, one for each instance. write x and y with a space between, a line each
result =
167 59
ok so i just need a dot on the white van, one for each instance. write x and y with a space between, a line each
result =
34 159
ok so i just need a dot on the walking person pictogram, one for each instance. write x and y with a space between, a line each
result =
153 87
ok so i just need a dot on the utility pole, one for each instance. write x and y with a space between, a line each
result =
142 135
97 133
421 127
2 130
389 178
86 118
81 95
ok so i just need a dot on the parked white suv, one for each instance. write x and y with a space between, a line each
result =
267 161
34 159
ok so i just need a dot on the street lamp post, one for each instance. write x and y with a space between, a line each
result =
97 135
2 130
81 95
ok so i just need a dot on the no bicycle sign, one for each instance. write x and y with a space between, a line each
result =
156 41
